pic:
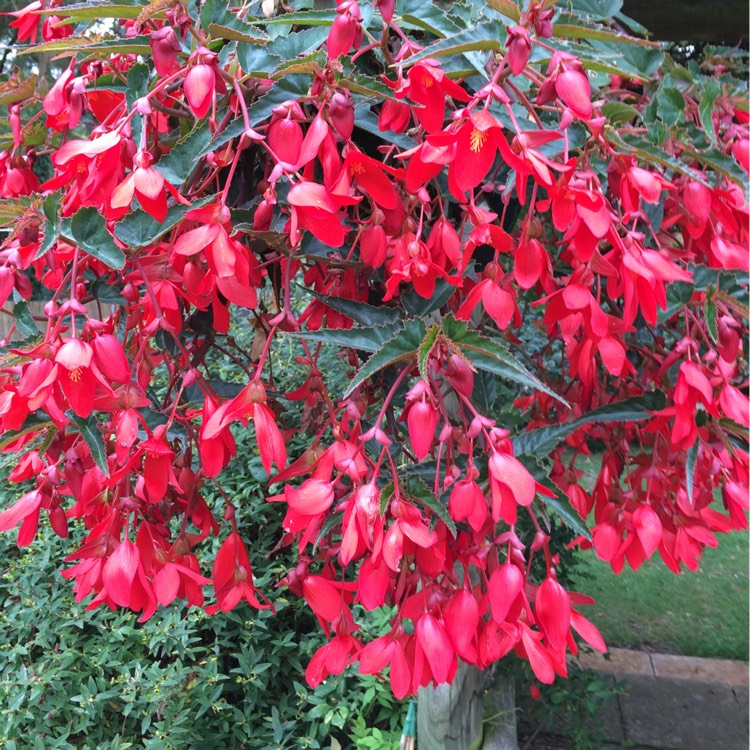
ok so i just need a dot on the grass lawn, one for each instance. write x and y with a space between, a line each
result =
694 614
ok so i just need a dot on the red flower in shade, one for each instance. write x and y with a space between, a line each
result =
149 186
369 177
313 208
346 30
233 577
511 485
428 85
381 652
476 147
78 376
125 583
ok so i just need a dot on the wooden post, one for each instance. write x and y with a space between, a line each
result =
476 711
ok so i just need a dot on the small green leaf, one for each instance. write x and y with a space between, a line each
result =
25 324
618 113
690 461
542 441
425 349
91 433
710 313
670 104
89 231
51 229
403 346
385 497
709 94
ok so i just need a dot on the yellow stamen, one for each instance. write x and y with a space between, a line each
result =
75 375
477 139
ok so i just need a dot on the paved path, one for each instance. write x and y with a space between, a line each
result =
673 702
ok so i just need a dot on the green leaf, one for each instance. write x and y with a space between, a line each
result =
419 306
403 346
91 433
709 94
597 10
542 441
560 506
490 355
25 324
428 16
139 229
94 11
238 32
507 8
415 489
360 312
710 314
107 292
17 90
73 45
485 391
483 36
303 18
679 294
177 165
385 497
51 229
425 349
690 461
618 113
89 231
598 33
670 104
367 86
363 339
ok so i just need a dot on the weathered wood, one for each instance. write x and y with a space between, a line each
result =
468 715
449 717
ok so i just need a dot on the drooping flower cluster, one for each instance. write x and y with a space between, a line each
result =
433 218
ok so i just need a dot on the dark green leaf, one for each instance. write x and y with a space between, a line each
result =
303 18
558 504
670 104
25 324
679 294
360 312
428 16
238 32
710 313
177 165
416 490
485 391
107 292
542 441
51 229
425 349
690 460
618 113
401 347
419 306
89 231
139 229
596 10
367 86
490 355
363 339
91 433
709 94
483 36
